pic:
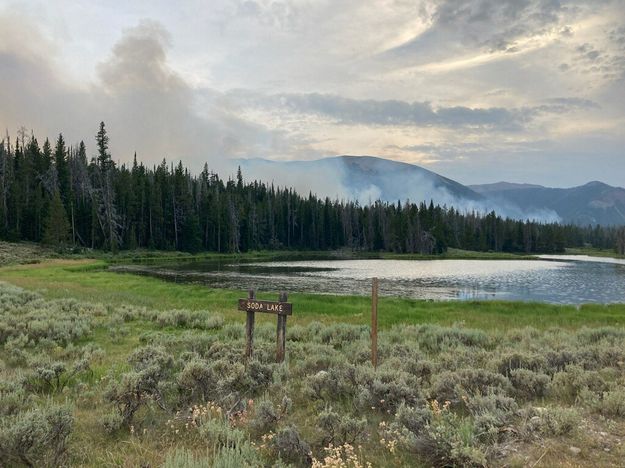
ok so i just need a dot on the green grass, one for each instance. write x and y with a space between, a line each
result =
458 254
593 252
88 280
152 256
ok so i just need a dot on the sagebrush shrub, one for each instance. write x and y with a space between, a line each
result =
452 386
512 361
490 414
550 421
528 384
342 334
53 377
568 384
611 335
151 357
13 397
213 322
219 433
135 390
183 458
558 360
612 403
601 355
239 456
332 384
197 381
290 447
387 389
434 338
414 419
315 358
448 440
112 422
265 417
37 437
340 429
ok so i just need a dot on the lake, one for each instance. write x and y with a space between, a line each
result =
555 279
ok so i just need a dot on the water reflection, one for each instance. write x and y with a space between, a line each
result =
556 279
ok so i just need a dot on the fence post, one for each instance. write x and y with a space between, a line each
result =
374 323
281 334
249 328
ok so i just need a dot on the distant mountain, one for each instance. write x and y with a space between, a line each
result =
501 186
593 203
368 178
396 180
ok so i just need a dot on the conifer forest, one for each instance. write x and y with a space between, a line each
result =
61 194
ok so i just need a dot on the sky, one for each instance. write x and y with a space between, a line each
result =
480 91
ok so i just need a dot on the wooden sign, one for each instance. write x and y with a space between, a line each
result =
281 308
374 323
271 307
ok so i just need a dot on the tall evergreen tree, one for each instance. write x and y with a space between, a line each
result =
57 229
104 194
62 169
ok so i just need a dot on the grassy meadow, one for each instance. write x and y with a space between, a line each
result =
106 369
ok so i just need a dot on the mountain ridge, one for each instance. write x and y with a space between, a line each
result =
368 178
592 203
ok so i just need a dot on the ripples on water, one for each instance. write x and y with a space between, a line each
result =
556 279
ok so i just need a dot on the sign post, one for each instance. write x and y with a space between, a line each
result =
281 308
249 327
281 332
374 323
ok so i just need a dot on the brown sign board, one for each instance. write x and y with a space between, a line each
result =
270 307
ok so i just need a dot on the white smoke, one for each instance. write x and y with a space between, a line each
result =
378 179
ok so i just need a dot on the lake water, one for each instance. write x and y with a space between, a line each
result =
556 279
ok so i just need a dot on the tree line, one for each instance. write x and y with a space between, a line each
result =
55 194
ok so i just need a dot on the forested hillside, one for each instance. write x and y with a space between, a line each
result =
56 194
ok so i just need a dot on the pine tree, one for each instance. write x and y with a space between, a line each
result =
57 229
620 241
102 141
62 169
104 195
191 235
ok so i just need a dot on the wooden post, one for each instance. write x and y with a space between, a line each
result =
249 328
281 334
374 323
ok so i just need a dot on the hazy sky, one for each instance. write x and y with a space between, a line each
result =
477 90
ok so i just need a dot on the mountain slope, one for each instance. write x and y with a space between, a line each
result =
593 203
363 178
399 180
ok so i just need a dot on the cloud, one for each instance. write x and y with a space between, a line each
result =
390 112
488 84
346 111
483 27
496 24
147 105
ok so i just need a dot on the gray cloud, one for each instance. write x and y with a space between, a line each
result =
496 23
490 25
604 58
389 112
561 105
421 114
